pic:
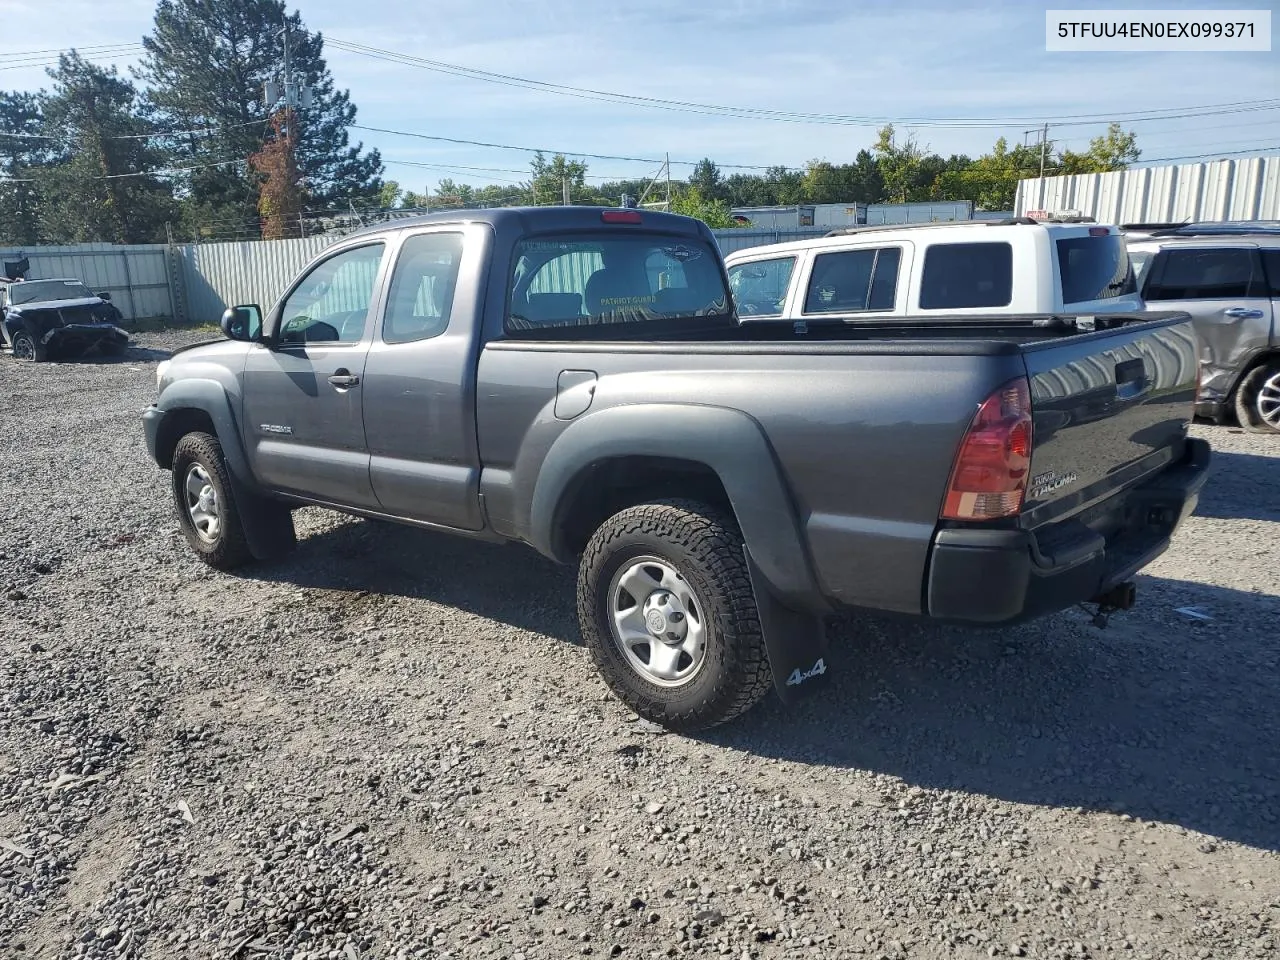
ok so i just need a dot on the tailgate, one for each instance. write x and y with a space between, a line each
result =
1109 408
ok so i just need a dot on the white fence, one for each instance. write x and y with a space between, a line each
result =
1216 190
136 277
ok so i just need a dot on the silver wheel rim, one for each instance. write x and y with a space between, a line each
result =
202 503
657 622
1268 401
24 349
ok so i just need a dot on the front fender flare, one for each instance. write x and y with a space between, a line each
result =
727 441
210 397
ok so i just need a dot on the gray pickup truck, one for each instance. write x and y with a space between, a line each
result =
577 380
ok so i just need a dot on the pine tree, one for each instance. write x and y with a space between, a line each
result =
206 64
99 185
22 154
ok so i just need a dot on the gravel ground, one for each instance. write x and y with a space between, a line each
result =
392 745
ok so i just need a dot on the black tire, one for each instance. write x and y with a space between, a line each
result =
26 347
228 549
704 547
1258 399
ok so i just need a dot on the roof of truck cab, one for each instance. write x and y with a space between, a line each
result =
952 230
526 218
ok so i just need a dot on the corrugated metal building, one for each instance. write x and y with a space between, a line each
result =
1215 190
939 211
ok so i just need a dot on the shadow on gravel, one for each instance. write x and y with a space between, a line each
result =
510 584
1242 487
1160 716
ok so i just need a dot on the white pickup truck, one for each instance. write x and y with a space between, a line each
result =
1016 267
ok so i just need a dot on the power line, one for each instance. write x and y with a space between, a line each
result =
783 115
566 153
137 136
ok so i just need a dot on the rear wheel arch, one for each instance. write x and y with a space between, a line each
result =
718 454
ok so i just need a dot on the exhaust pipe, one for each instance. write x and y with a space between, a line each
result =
1120 597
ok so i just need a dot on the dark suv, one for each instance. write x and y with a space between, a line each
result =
44 319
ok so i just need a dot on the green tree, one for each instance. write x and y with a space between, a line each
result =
100 186
415 201
899 163
551 176
991 181
707 178
692 202
206 62
22 154
390 195
1114 150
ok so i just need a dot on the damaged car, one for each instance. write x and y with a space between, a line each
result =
58 318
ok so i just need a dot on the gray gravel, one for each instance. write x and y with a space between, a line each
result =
392 745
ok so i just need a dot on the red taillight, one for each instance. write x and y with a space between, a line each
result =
989 479
620 216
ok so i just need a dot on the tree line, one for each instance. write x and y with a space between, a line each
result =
889 171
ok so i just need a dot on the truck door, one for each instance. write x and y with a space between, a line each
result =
304 396
419 401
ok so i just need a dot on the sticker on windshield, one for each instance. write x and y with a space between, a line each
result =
682 253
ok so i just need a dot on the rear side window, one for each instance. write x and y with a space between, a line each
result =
602 280
760 287
960 275
1094 268
1271 265
1211 274
853 281
422 288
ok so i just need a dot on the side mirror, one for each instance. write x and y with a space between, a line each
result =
243 323
104 295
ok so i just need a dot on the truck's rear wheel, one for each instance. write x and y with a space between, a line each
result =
206 506
666 608
1258 399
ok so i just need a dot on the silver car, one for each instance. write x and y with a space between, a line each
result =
1227 276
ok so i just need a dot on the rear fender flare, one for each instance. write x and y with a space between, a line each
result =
729 442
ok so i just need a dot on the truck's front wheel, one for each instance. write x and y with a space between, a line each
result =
666 607
206 506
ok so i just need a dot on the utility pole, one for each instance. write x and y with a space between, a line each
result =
1044 148
564 186
295 95
667 164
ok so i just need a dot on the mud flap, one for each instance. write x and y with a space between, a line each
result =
268 529
796 642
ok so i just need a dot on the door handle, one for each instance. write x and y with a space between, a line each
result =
343 379
1242 313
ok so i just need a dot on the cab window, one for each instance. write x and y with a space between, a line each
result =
331 303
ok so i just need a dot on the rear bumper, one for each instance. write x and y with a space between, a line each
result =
1009 576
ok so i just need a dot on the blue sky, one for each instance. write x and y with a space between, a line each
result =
919 60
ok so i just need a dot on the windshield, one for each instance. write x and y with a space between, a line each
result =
39 291
1094 268
605 279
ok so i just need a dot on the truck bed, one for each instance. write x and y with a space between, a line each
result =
861 421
